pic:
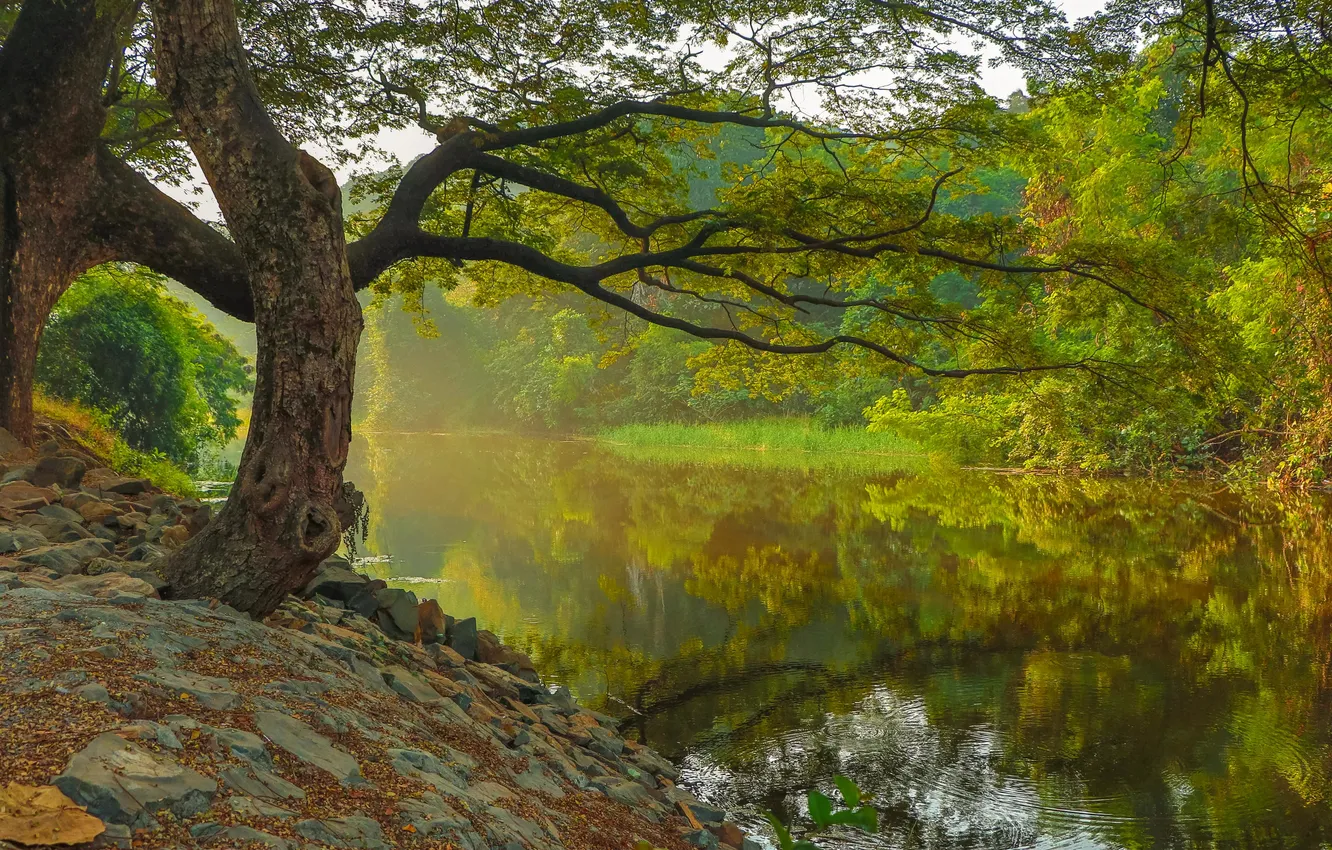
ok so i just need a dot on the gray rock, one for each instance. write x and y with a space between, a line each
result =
397 614
624 791
244 836
211 692
710 815
308 745
57 530
62 513
336 580
261 784
122 783
20 538
462 638
702 838
410 687
23 472
242 744
353 832
252 807
145 552
58 559
65 471
447 779
750 844
371 675
365 602
129 486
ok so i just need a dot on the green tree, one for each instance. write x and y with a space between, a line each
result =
166 379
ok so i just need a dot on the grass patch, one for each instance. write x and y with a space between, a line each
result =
770 443
92 430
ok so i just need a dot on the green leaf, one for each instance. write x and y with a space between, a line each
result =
864 818
783 834
850 790
820 809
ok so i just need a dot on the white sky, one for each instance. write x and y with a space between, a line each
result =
411 142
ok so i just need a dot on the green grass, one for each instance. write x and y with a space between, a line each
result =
770 443
91 430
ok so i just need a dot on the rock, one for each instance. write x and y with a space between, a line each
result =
371 675
9 444
446 655
57 530
397 616
62 513
710 815
335 579
308 745
702 838
20 538
216 694
730 834
145 552
99 566
198 521
50 448
174 536
63 560
65 471
107 585
409 687
414 764
127 486
430 619
244 836
22 472
751 844
22 496
123 783
364 602
624 791
353 832
98 512
462 639
261 784
240 743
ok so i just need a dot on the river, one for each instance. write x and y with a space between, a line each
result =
1003 661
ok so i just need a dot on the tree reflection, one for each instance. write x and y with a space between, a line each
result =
1002 659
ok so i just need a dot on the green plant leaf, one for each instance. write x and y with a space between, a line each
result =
820 809
850 790
783 834
864 818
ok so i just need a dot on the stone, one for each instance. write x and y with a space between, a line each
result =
397 615
65 471
212 693
364 602
20 538
57 530
97 512
414 764
62 513
371 675
702 838
308 745
409 686
22 496
710 815
145 552
199 519
730 834
446 655
127 486
751 844
242 744
99 566
462 639
624 791
355 831
22 472
58 559
261 784
106 585
50 448
430 619
174 536
9 444
244 836
335 579
123 783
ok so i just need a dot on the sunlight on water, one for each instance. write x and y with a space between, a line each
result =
1004 661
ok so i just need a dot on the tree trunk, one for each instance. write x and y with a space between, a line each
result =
52 71
283 210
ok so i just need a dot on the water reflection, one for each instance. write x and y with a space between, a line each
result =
1003 661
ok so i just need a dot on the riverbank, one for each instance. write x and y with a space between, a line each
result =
355 717
767 443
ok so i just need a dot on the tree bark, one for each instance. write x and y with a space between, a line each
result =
52 72
283 210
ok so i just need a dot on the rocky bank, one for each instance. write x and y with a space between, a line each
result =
354 717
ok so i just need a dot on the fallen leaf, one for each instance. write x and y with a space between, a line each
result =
32 814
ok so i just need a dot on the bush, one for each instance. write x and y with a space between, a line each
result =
166 380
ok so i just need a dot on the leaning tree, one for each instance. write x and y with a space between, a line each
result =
566 137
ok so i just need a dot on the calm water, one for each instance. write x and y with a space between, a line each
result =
1003 661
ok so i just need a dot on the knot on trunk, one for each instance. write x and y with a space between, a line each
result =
319 530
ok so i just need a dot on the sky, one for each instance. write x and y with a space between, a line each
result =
408 143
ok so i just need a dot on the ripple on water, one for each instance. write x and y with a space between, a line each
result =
940 786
